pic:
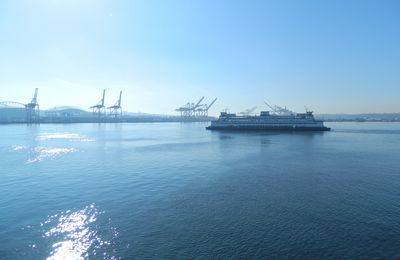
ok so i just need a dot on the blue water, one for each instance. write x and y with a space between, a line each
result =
178 191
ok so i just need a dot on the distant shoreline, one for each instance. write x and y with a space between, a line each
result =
110 121
170 121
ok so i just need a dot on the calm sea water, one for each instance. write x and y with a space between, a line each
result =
178 191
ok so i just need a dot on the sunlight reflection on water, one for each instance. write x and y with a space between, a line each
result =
18 147
74 234
43 153
40 153
64 136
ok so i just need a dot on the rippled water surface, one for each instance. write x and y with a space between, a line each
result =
121 191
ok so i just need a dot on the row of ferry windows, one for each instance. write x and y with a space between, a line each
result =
269 121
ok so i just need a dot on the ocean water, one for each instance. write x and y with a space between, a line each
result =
177 191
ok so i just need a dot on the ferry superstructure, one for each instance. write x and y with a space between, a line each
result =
268 121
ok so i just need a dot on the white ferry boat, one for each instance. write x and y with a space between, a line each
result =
269 121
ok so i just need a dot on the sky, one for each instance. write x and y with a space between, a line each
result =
331 56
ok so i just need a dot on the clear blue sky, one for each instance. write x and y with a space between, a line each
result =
333 56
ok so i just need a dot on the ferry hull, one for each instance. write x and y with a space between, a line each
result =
266 128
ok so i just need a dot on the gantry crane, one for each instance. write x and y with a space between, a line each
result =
32 109
116 109
99 108
248 111
280 110
203 110
189 109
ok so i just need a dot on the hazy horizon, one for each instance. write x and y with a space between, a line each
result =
333 57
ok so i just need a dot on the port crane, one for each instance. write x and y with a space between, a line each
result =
308 110
247 111
202 110
99 108
116 109
197 104
280 110
189 109
32 109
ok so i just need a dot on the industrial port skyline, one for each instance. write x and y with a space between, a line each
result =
138 103
19 112
101 112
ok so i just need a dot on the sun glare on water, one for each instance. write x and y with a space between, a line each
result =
75 234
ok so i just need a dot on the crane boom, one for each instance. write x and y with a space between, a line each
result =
273 109
119 100
248 111
212 103
102 101
198 103
252 110
34 99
